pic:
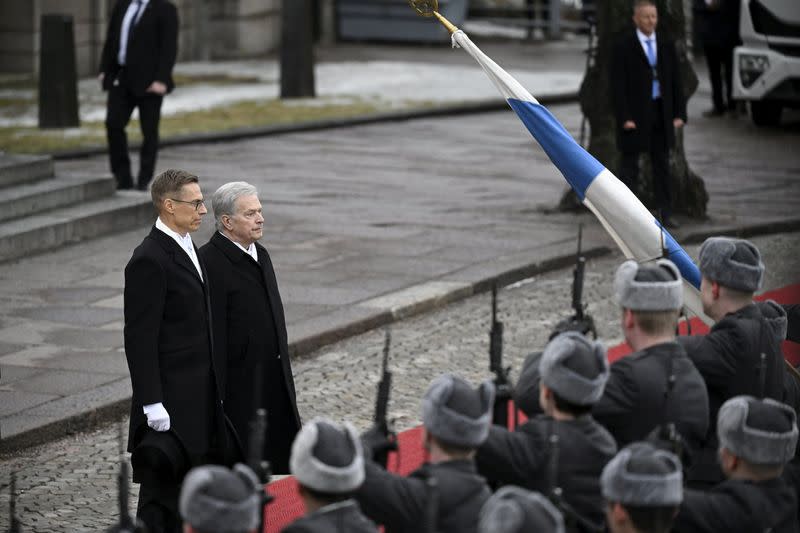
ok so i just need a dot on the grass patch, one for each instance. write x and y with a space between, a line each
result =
238 115
183 80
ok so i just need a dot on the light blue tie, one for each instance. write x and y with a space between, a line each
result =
651 58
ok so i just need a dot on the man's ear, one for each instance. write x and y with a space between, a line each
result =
618 514
628 320
715 290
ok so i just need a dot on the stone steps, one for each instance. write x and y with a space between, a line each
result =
38 233
41 210
63 191
16 169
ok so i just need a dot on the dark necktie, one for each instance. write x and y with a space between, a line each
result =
131 25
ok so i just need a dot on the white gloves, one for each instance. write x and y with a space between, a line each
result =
157 416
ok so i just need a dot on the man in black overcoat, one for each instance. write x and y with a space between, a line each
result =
249 323
168 346
136 70
648 103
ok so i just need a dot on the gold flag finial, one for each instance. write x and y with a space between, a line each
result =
429 8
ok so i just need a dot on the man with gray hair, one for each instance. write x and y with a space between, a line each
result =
215 499
572 373
657 384
249 326
730 356
516 510
456 420
756 440
643 487
328 464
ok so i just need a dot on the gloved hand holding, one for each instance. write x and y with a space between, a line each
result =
157 416
377 443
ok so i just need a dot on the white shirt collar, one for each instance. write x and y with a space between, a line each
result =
183 240
250 250
643 38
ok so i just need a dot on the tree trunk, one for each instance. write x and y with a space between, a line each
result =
613 16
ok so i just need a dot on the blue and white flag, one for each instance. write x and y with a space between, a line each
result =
635 230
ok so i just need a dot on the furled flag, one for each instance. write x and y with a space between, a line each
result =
635 230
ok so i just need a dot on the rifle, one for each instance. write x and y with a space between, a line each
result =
382 404
14 525
762 375
431 519
502 383
256 460
127 523
580 321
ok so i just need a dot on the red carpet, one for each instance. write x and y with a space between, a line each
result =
287 505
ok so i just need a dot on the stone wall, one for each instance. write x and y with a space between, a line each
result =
243 28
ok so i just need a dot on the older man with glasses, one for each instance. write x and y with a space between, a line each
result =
176 411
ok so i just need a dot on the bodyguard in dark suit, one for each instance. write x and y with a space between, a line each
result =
136 70
168 345
648 102
249 324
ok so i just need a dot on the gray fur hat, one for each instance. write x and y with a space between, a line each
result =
215 498
733 263
562 357
654 286
643 475
328 458
457 414
515 510
762 432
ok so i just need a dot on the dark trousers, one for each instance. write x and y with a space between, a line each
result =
158 507
121 103
719 57
659 159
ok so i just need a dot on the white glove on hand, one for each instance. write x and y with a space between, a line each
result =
157 416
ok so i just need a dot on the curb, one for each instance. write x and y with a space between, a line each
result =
484 106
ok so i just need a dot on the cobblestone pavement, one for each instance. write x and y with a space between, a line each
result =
70 484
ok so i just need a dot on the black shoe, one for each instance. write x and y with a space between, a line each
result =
712 113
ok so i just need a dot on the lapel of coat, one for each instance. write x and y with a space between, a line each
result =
640 49
179 256
271 285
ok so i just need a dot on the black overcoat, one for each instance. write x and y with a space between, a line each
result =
729 359
152 49
399 503
168 343
524 458
737 506
250 335
636 397
342 517
631 90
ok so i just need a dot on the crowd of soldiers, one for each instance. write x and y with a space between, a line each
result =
687 434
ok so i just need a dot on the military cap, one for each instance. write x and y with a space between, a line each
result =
656 286
733 263
158 456
327 457
762 432
575 368
457 414
516 510
642 475
215 498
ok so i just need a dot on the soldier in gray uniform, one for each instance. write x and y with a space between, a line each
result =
657 384
516 510
216 499
756 438
328 463
456 420
729 356
643 487
573 372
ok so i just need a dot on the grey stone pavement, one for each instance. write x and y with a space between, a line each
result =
365 225
70 485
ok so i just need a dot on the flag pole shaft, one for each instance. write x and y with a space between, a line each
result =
446 23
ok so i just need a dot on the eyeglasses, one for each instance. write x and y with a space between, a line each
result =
195 203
